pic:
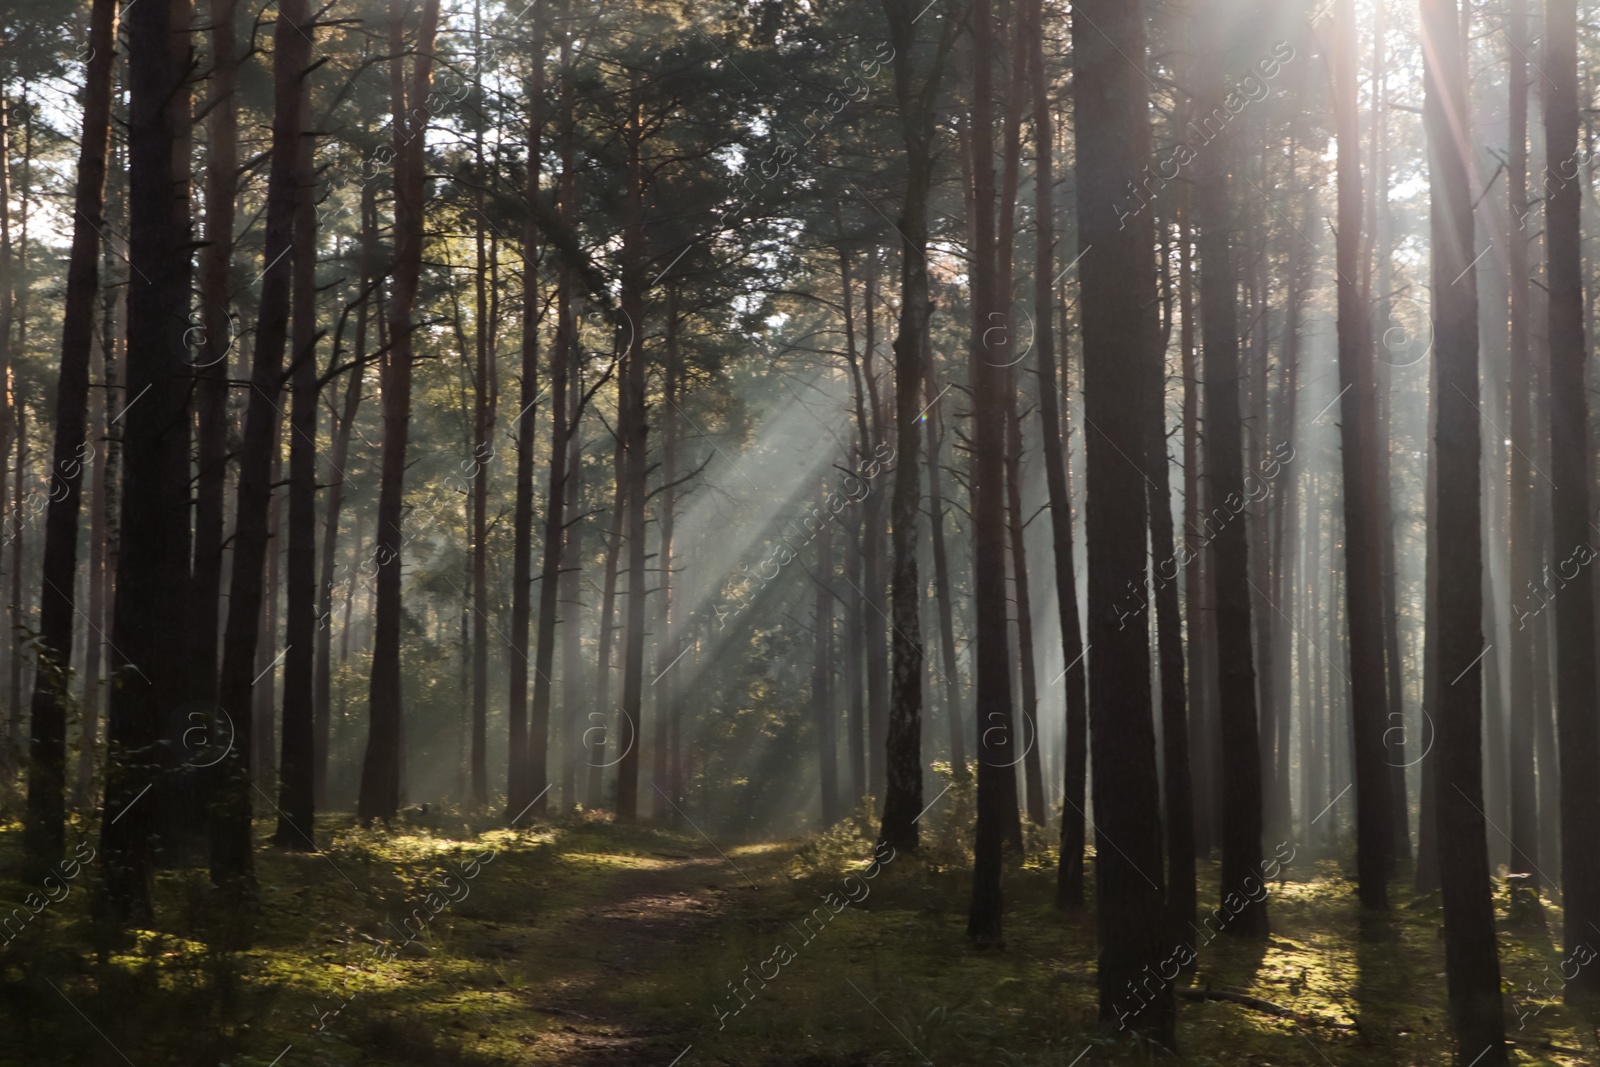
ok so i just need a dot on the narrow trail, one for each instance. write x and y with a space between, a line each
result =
636 930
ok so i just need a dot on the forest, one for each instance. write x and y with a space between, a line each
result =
797 533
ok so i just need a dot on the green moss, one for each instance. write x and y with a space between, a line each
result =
589 943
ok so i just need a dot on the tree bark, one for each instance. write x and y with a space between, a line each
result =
996 740
1358 434
297 762
903 799
1471 952
1577 727
1118 307
150 602
46 828
380 772
1241 751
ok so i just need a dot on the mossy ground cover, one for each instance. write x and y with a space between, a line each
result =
446 942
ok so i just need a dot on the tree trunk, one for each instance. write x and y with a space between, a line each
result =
1577 727
150 603
903 800
47 772
822 675
1241 751
297 763
380 772
341 433
1177 788
996 741
218 327
1358 434
1119 329
1471 952
632 427
519 769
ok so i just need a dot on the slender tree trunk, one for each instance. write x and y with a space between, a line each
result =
903 799
46 827
1119 330
1177 788
608 601
1241 751
483 417
1358 436
996 741
632 426
297 763
381 768
1576 724
211 390
341 433
232 845
56 599
822 675
667 645
519 771
1471 952
1200 659
941 575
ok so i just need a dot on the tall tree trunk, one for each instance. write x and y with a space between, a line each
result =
1195 620
1471 952
150 602
1358 433
1119 328
483 415
1578 728
211 390
341 433
380 772
1027 714
903 800
297 763
996 741
519 770
1177 788
232 845
631 425
1524 857
602 715
941 574
1241 751
47 772
667 645
822 709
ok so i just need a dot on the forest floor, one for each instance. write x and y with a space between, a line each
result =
595 945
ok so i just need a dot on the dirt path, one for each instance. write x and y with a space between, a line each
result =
637 929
